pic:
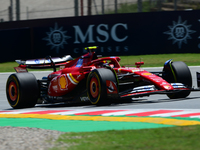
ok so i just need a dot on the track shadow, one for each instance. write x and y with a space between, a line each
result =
56 105
163 100
121 103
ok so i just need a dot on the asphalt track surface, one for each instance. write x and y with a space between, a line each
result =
146 112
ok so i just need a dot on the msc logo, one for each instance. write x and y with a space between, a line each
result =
179 32
102 30
57 37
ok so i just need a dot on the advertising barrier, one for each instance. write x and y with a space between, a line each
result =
115 34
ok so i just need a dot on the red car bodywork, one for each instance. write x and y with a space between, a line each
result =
69 82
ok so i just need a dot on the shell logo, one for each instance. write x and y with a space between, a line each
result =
63 82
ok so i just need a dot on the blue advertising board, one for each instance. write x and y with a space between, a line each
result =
115 34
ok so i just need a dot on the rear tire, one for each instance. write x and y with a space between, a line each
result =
22 90
96 86
178 72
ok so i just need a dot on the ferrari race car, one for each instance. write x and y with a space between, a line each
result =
91 78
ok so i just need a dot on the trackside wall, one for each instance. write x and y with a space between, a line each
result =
115 34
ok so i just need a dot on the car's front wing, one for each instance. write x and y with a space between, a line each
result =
150 90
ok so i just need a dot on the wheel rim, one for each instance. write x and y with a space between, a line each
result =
94 87
12 91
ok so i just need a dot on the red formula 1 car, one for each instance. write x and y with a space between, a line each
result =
101 81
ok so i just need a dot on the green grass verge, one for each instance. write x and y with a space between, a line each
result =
149 61
159 60
9 67
172 138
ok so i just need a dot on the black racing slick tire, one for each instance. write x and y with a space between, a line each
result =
178 73
22 90
96 86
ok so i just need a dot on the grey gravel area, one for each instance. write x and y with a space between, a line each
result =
24 138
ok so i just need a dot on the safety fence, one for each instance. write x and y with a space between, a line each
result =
37 9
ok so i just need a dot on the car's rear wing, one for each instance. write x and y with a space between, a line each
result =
44 63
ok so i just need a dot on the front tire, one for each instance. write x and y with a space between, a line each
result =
96 86
178 72
22 90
